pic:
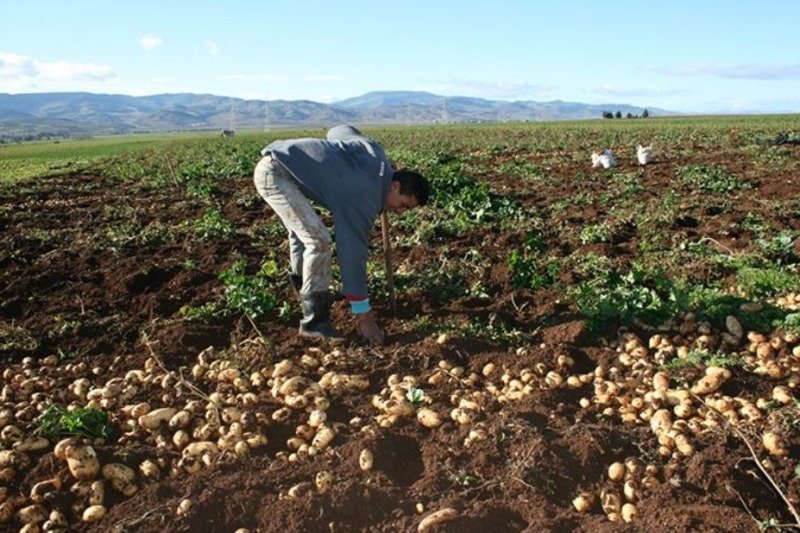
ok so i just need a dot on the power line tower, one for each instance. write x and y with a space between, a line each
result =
445 117
231 121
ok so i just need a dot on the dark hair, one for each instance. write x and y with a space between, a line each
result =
413 184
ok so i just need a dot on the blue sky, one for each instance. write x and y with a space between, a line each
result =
692 56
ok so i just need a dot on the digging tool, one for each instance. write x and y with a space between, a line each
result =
387 258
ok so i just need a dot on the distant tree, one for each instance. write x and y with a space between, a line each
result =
645 113
629 115
608 114
618 115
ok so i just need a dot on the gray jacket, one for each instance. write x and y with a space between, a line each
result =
350 175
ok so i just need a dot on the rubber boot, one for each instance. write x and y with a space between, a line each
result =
316 323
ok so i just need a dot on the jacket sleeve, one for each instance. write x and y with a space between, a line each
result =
352 229
344 132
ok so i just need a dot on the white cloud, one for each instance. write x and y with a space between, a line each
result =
21 73
323 78
212 48
150 41
751 72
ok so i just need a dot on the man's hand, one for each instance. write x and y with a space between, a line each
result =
369 328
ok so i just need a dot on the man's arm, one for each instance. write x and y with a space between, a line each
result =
352 241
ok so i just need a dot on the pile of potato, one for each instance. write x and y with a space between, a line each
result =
216 410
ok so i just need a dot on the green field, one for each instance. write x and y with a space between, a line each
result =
43 158
35 159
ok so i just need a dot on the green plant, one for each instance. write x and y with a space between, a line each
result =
490 328
779 249
206 312
251 295
415 396
591 264
703 358
791 322
596 234
530 271
212 224
530 267
57 422
642 294
710 179
769 281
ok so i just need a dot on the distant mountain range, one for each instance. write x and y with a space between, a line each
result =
75 114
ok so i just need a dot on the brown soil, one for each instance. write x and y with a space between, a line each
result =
86 297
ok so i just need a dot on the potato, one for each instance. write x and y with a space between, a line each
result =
439 517
32 514
323 480
241 448
122 478
616 471
6 512
256 440
610 501
180 420
56 520
13 459
316 418
583 502
661 421
11 434
683 445
631 491
191 464
149 469
31 444
94 513
774 444
199 448
782 395
44 490
323 438
180 439
661 381
628 512
398 408
82 461
429 418
365 459
282 415
184 507
98 493
152 420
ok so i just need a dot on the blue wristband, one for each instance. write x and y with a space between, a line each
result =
360 307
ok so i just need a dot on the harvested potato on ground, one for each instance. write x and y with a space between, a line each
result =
439 517
82 461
